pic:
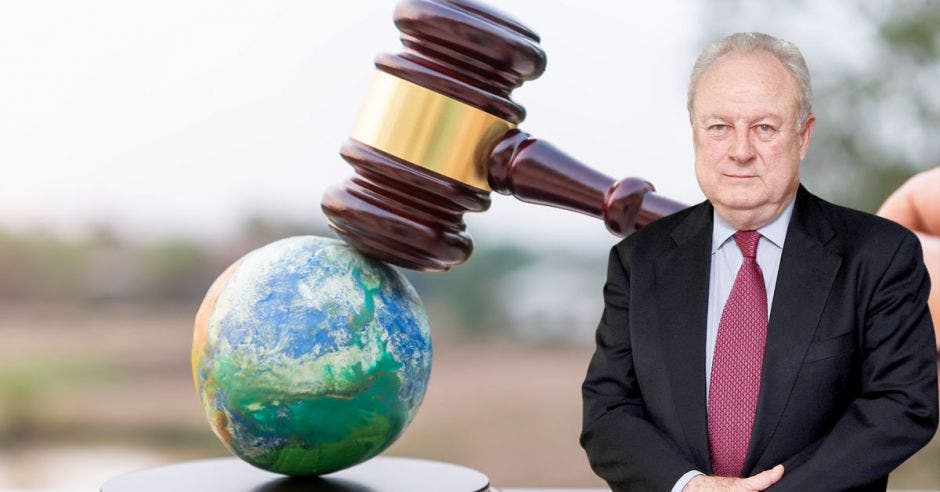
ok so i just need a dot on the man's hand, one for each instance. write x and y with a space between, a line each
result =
758 482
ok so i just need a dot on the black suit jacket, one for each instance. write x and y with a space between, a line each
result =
849 384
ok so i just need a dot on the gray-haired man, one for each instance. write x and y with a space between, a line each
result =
765 337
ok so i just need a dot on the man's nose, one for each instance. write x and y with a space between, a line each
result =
742 149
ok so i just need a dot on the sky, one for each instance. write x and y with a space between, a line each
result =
183 118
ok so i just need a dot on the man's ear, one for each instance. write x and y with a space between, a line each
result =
807 134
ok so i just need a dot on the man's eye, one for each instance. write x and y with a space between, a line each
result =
718 128
765 128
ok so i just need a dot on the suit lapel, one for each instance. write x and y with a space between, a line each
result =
682 288
804 280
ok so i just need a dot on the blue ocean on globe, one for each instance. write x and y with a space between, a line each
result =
309 357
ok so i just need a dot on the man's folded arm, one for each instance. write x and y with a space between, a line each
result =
622 446
895 413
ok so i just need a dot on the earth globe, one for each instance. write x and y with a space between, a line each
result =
309 357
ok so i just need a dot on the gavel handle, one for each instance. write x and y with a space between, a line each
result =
535 171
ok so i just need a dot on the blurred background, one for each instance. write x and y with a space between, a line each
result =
146 146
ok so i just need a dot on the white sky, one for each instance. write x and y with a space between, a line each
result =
183 117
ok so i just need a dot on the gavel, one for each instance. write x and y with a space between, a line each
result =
437 132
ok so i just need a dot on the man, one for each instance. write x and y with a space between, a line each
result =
764 338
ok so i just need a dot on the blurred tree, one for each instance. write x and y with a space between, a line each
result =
885 120
106 268
259 230
467 290
175 270
40 266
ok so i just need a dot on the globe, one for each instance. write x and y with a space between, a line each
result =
309 357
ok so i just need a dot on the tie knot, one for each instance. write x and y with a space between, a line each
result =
747 242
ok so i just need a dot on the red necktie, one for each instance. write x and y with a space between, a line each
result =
736 367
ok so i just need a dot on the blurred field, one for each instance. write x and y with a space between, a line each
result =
87 393
110 390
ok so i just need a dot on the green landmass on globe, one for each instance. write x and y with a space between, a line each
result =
309 357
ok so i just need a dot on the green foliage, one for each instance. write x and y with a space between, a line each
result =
25 386
914 30
467 290
878 126
176 270
40 266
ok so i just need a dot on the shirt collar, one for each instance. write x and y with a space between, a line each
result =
775 231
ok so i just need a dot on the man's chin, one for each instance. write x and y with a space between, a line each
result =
740 204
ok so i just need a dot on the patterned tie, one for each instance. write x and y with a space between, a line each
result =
736 367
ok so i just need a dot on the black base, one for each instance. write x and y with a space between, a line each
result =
380 474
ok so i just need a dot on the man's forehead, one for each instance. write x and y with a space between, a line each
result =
758 67
746 82
756 116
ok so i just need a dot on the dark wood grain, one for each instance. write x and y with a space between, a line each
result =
535 171
403 214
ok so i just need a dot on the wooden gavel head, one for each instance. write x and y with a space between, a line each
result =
436 134
421 142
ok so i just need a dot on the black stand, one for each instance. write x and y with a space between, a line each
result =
380 474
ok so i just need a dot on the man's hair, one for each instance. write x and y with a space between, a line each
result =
749 42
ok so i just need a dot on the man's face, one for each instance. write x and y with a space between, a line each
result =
744 129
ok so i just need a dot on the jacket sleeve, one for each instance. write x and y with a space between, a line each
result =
895 413
622 446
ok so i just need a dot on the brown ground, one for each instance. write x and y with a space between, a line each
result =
83 379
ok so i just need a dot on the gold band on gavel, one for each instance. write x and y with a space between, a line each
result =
429 129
